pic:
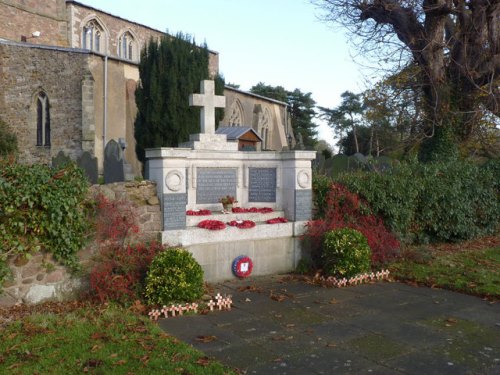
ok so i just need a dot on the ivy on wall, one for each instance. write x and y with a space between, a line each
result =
42 209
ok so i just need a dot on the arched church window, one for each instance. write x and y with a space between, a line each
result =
236 114
127 46
42 120
92 36
264 125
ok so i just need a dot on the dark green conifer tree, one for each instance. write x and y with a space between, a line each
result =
169 72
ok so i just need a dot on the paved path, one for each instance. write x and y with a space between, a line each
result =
284 326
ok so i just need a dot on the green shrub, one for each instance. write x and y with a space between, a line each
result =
445 201
174 276
43 209
8 140
345 253
321 186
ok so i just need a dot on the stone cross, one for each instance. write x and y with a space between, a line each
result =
208 101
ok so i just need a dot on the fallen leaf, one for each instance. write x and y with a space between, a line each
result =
450 321
278 297
92 363
206 339
114 355
331 345
290 325
99 336
120 362
333 301
203 361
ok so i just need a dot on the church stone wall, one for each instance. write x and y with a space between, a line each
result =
24 71
114 27
22 17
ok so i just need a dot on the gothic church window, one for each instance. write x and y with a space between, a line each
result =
42 120
263 126
127 46
236 114
92 36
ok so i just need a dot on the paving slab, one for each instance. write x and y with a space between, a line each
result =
281 325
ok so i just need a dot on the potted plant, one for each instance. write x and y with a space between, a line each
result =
227 202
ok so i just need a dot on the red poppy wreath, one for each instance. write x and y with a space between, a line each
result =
212 224
242 224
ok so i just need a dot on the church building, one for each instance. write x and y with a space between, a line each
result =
68 74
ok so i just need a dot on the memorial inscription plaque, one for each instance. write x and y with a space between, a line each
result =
174 211
262 184
303 205
214 183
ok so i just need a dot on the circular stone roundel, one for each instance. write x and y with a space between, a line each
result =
303 179
242 266
173 180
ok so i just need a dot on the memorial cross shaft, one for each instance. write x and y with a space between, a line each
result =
208 101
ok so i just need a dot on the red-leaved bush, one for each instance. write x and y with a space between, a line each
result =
120 271
346 209
115 220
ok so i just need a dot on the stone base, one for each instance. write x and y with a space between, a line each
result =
216 142
269 256
273 248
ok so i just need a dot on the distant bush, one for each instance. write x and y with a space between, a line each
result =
345 253
120 271
446 201
8 140
346 209
174 276
43 208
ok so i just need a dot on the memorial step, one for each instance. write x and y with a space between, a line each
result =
194 235
192 221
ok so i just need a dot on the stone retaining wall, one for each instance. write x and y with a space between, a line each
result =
40 278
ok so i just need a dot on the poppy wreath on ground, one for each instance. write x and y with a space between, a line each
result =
198 212
242 224
262 210
277 220
242 266
212 224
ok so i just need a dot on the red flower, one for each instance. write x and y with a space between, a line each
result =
198 212
242 224
277 220
212 224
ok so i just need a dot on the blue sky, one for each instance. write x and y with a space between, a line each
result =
278 42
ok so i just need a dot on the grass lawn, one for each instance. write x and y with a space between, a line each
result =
472 268
96 340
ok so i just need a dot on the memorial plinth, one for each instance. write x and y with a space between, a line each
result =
209 167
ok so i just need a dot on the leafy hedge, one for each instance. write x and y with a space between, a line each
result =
42 209
446 201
